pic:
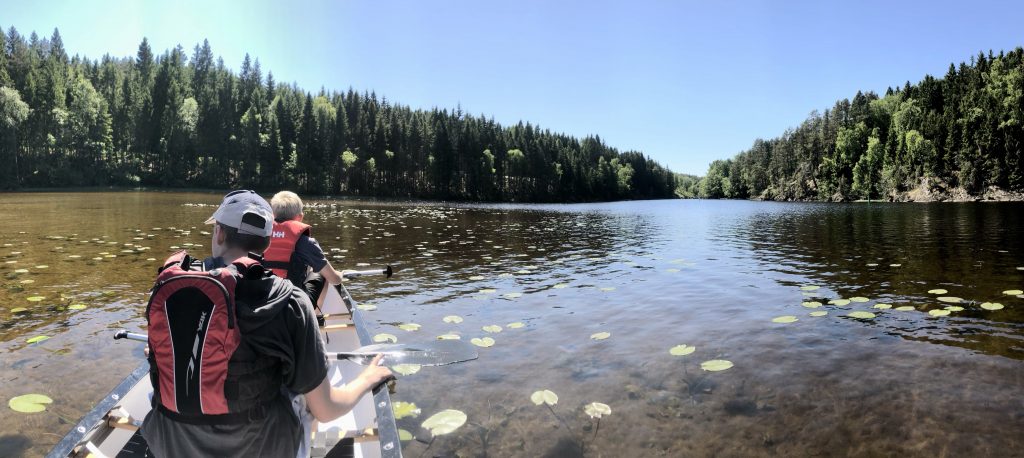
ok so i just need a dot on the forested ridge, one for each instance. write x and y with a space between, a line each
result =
174 120
958 137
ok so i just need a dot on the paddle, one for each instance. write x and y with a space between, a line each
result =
350 274
437 353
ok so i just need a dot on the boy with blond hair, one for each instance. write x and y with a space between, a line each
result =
293 253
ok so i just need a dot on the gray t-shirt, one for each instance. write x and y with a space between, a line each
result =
276 320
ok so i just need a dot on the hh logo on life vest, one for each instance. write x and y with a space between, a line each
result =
278 235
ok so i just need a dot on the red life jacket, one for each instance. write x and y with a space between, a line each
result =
278 256
192 338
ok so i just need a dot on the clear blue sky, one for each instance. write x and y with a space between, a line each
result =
684 81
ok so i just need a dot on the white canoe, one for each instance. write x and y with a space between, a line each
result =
111 428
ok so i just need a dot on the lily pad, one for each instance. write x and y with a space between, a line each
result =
608 289
449 337
859 299
516 325
405 409
861 315
366 307
21 271
27 282
29 403
1013 292
561 285
42 267
444 422
597 409
76 307
492 328
839 302
488 291
35 298
785 319
600 335
19 310
511 295
938 312
37 339
895 265
385 337
452 319
409 327
937 291
484 342
883 306
954 308
949 299
991 306
682 350
544 397
404 435
716 365
811 304
809 288
819 313
905 308
476 277
406 369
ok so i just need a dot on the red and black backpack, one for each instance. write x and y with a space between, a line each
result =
193 335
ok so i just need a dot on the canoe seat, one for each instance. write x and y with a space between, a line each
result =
135 448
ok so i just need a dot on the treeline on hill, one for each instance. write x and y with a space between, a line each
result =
962 131
173 121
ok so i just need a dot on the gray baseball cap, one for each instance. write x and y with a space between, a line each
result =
246 211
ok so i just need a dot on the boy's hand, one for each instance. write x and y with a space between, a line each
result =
374 374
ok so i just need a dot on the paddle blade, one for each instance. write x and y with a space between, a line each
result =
437 353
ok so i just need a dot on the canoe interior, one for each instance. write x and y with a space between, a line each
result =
109 436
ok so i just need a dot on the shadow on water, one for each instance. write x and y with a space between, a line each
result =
14 445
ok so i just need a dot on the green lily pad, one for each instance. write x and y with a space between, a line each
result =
937 291
405 409
954 308
597 409
27 282
366 307
76 307
819 313
404 435
608 289
21 271
991 306
600 335
516 325
35 298
1013 292
938 312
37 339
681 350
42 267
29 403
511 295
444 422
785 319
859 299
449 337
406 369
544 397
809 288
716 365
811 304
839 302
951 300
19 310
492 328
905 308
385 337
409 327
452 319
476 277
895 265
484 342
561 285
883 306
872 264
861 315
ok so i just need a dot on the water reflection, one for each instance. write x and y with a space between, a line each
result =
652 274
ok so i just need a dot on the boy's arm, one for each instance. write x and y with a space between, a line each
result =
330 275
327 403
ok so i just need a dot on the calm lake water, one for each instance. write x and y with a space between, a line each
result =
653 275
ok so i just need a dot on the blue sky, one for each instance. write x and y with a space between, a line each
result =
684 81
